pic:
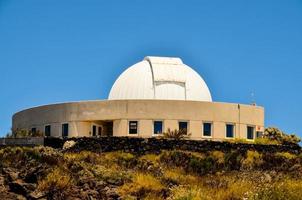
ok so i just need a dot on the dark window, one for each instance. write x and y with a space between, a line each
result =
47 130
93 130
133 127
259 134
230 130
100 130
64 130
250 132
183 126
207 129
33 130
158 127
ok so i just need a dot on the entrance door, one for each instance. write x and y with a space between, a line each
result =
100 130
94 130
108 128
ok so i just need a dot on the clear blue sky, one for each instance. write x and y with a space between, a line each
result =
60 50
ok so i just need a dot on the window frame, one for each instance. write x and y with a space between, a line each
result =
234 131
162 127
254 131
97 133
188 125
206 136
257 136
137 127
67 130
49 130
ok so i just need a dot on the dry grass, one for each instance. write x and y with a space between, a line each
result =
286 155
253 160
218 156
56 181
142 185
266 141
186 193
169 175
178 176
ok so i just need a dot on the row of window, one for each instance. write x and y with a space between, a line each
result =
47 130
96 130
158 129
206 130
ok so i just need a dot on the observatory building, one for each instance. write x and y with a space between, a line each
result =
147 99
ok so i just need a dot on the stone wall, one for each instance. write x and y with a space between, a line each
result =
155 145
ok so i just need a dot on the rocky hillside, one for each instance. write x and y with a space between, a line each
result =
47 173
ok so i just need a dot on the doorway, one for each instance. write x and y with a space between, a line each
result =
101 128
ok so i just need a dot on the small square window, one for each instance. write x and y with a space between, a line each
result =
47 130
229 130
250 132
133 127
183 126
207 129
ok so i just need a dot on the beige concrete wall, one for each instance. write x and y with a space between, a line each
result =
120 127
145 128
170 124
219 129
80 116
195 129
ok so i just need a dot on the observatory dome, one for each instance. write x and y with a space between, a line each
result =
161 78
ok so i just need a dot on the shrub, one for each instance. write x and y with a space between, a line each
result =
121 158
238 140
189 161
112 175
233 160
222 188
150 157
275 134
186 193
174 158
286 155
218 156
19 133
176 176
253 160
176 134
201 166
141 186
56 183
236 189
266 141
285 189
18 156
85 156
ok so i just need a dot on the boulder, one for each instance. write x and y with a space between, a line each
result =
68 144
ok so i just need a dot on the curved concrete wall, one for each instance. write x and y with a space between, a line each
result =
81 116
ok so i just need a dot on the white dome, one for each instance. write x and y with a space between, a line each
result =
160 78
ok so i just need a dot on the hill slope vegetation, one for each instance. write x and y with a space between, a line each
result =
47 173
